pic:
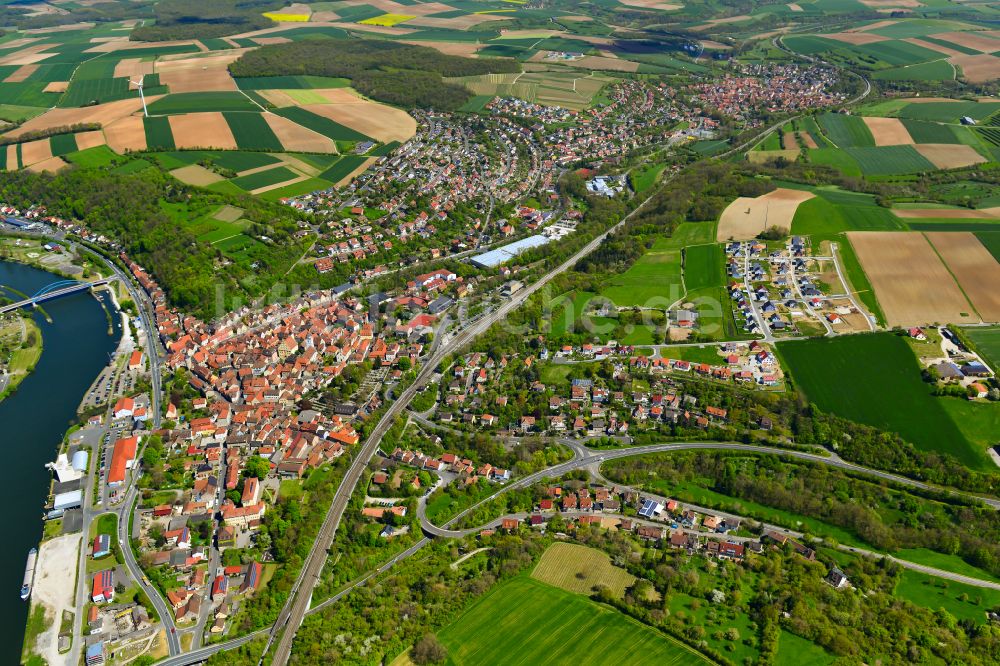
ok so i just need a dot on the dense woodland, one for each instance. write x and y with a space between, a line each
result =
196 19
401 74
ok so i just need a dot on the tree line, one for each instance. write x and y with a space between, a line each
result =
402 74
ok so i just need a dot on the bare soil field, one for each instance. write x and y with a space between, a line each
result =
125 45
949 213
950 156
856 37
910 280
99 113
126 134
296 138
925 100
378 121
977 68
198 74
228 214
54 589
916 41
18 43
27 56
976 270
714 22
133 68
652 4
279 98
11 154
714 46
33 152
888 131
195 174
267 41
395 30
747 217
56 87
52 164
464 49
207 129
795 7
457 23
69 27
91 139
361 169
974 40
606 64
807 139
21 73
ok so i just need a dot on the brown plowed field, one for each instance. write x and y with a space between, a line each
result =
464 49
133 68
775 208
52 164
126 134
104 114
974 40
977 68
202 130
378 121
198 74
910 281
932 46
299 139
33 152
91 139
888 131
976 270
950 156
56 87
21 73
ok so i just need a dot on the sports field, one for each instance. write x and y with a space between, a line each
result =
541 624
580 569
875 379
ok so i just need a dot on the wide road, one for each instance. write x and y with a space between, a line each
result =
291 615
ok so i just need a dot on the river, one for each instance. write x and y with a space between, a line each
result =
33 421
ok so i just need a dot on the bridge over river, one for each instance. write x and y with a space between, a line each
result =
55 290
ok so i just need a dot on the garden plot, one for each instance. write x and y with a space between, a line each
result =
748 217
912 284
974 267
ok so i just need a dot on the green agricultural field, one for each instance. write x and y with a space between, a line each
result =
93 158
818 216
296 189
935 70
324 126
342 168
201 101
704 266
476 104
964 602
949 112
846 131
654 280
304 82
890 160
252 132
27 93
579 569
82 92
158 133
17 114
875 379
644 177
835 158
923 131
987 342
567 310
543 624
264 178
797 651
63 144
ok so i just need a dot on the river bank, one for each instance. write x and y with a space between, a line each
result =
20 348
77 345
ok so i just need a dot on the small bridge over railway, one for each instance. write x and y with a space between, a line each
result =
55 290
